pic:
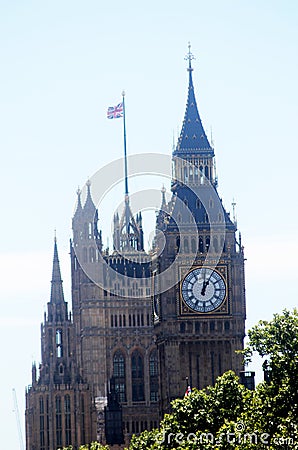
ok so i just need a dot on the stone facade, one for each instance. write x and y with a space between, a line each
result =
144 326
59 404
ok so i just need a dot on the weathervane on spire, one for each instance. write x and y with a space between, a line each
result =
189 57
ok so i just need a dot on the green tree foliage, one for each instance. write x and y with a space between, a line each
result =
275 407
229 416
92 446
196 419
277 341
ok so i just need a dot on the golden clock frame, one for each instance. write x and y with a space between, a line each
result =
184 310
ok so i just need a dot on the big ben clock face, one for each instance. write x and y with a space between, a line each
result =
203 289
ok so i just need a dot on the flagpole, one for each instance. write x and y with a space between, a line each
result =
125 153
127 210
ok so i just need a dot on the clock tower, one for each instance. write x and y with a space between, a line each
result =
198 270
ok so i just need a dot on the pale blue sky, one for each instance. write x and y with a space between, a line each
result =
63 63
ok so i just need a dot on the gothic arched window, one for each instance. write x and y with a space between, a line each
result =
153 374
137 377
67 420
92 256
193 246
119 375
185 245
223 244
215 244
58 421
196 173
41 423
201 245
51 341
59 344
90 230
201 175
207 242
85 255
83 418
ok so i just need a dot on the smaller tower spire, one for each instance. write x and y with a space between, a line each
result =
163 197
162 213
57 295
79 203
89 204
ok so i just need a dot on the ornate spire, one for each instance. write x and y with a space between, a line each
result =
162 213
192 138
79 208
57 295
163 197
130 232
89 205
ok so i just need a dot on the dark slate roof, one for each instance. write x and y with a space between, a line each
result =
192 138
132 269
189 207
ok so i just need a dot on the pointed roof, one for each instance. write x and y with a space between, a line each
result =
89 204
163 198
79 208
161 215
57 295
129 229
193 138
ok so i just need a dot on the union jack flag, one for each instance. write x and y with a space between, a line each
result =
114 112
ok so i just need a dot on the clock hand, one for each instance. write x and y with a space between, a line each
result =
205 283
